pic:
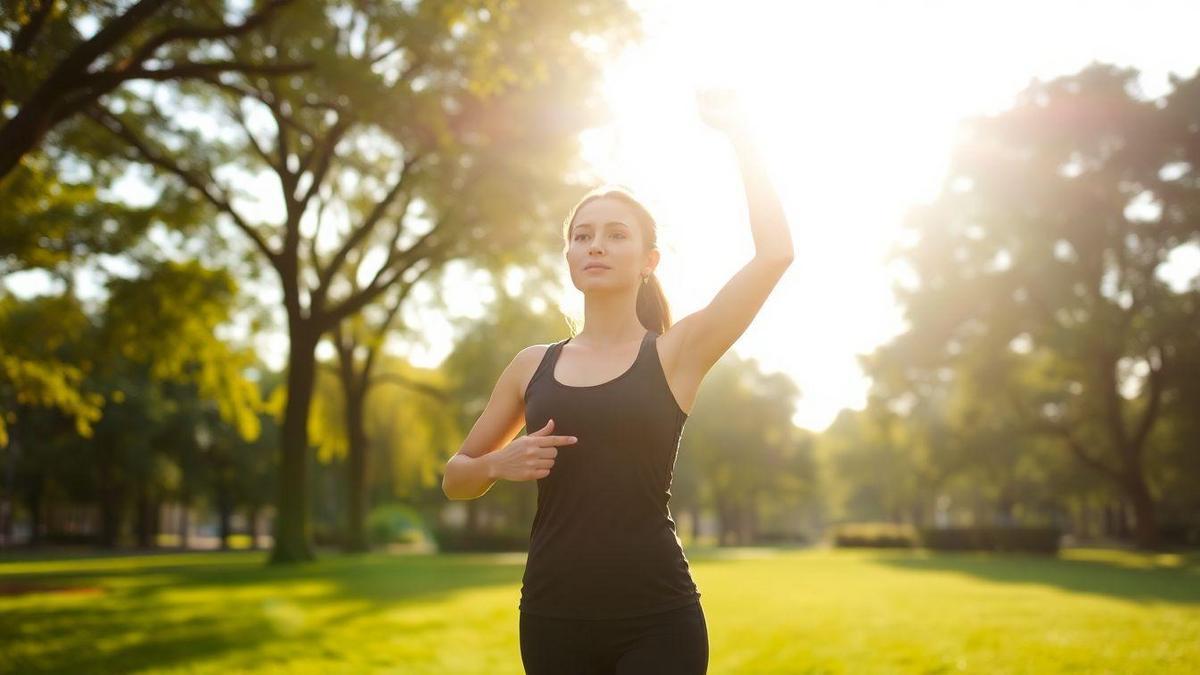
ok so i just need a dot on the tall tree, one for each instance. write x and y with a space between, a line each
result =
1043 252
359 345
426 132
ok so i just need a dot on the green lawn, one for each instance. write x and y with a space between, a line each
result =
768 611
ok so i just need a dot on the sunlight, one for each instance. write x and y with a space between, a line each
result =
855 108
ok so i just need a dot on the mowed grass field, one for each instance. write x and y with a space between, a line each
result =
768 611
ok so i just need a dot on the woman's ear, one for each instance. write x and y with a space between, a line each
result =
652 259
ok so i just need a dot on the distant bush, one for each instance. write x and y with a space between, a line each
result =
395 524
460 540
1024 539
873 535
772 537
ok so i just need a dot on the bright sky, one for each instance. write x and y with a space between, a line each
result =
854 105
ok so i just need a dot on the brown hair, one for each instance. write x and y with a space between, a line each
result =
652 308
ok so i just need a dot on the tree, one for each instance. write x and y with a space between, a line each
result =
43 342
359 345
1042 252
425 133
740 448
150 349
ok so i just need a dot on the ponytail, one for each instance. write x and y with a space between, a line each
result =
652 308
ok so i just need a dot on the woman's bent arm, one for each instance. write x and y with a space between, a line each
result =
468 477
469 473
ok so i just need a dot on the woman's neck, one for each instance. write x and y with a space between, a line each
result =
609 321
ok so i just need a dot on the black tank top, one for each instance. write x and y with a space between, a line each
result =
603 543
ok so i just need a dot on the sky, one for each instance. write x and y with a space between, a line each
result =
854 106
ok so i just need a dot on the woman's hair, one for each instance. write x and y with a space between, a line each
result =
652 308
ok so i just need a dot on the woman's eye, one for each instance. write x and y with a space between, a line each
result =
620 235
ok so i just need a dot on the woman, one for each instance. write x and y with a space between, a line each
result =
607 588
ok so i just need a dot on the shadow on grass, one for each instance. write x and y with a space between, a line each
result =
165 610
1128 576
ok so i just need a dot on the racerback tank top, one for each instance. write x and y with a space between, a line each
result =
603 543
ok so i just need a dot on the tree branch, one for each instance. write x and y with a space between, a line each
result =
396 378
106 81
113 124
23 40
235 110
384 325
1150 414
207 33
325 276
409 258
1038 424
324 155
1112 399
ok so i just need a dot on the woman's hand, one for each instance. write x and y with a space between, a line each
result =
721 109
528 457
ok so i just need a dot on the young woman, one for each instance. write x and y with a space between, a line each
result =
607 588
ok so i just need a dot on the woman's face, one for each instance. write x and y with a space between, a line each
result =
605 247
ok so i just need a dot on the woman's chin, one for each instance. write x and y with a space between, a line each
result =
597 286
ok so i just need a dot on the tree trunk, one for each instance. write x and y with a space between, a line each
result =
224 512
34 503
1145 520
8 508
293 541
253 526
145 525
355 392
155 519
110 509
184 506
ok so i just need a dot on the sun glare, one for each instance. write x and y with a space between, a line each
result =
855 108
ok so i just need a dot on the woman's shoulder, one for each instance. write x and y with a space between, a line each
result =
532 354
526 363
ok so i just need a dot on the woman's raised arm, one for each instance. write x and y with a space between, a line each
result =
709 332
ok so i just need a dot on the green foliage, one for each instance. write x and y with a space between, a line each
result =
39 353
741 453
873 535
395 523
168 318
1037 315
49 221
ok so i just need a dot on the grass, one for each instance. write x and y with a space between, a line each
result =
768 611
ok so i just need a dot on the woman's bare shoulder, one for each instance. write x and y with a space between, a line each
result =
531 355
525 364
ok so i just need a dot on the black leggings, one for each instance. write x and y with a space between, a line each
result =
674 642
